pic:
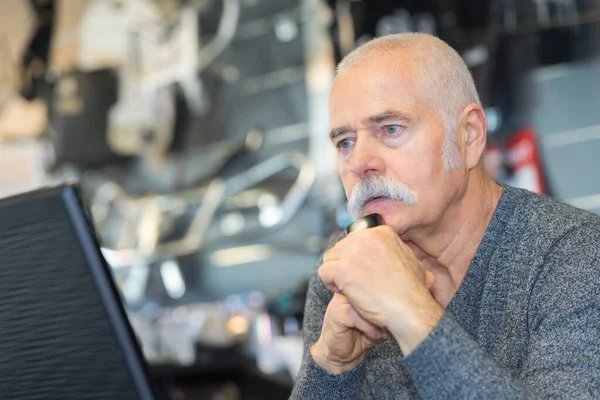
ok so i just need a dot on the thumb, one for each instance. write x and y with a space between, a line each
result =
429 279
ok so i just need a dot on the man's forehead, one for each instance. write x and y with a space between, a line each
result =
372 77
376 79
359 95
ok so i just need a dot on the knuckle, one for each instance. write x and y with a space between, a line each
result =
338 301
327 255
339 304
335 301
337 313
321 269
320 272
344 315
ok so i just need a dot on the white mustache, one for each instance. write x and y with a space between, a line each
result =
378 186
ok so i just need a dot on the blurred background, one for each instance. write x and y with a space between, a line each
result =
197 130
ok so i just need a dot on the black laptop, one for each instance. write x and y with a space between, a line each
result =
63 331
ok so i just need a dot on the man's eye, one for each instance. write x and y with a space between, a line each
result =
344 144
392 129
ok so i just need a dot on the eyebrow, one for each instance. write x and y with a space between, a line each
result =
337 132
374 119
386 115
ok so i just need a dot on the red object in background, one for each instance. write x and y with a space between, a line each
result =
523 159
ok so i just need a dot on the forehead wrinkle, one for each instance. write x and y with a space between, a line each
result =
386 116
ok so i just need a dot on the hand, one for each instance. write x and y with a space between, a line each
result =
385 283
345 337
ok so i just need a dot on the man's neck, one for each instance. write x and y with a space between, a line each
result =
449 251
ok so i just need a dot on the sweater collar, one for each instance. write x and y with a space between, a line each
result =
465 304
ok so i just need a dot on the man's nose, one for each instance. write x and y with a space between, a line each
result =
365 159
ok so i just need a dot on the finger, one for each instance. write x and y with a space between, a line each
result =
328 273
378 234
331 255
347 316
429 279
372 332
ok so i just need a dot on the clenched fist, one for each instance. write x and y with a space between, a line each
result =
345 337
385 285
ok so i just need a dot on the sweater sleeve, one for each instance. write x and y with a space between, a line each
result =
313 382
563 355
450 365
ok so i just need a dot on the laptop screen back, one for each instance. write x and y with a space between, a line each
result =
63 331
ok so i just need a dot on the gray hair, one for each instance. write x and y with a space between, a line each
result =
372 187
444 81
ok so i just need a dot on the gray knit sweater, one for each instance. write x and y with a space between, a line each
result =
524 324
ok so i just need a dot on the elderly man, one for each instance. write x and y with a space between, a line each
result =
471 289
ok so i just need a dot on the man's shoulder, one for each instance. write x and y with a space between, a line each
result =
541 215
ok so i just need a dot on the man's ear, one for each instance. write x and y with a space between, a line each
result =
473 132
